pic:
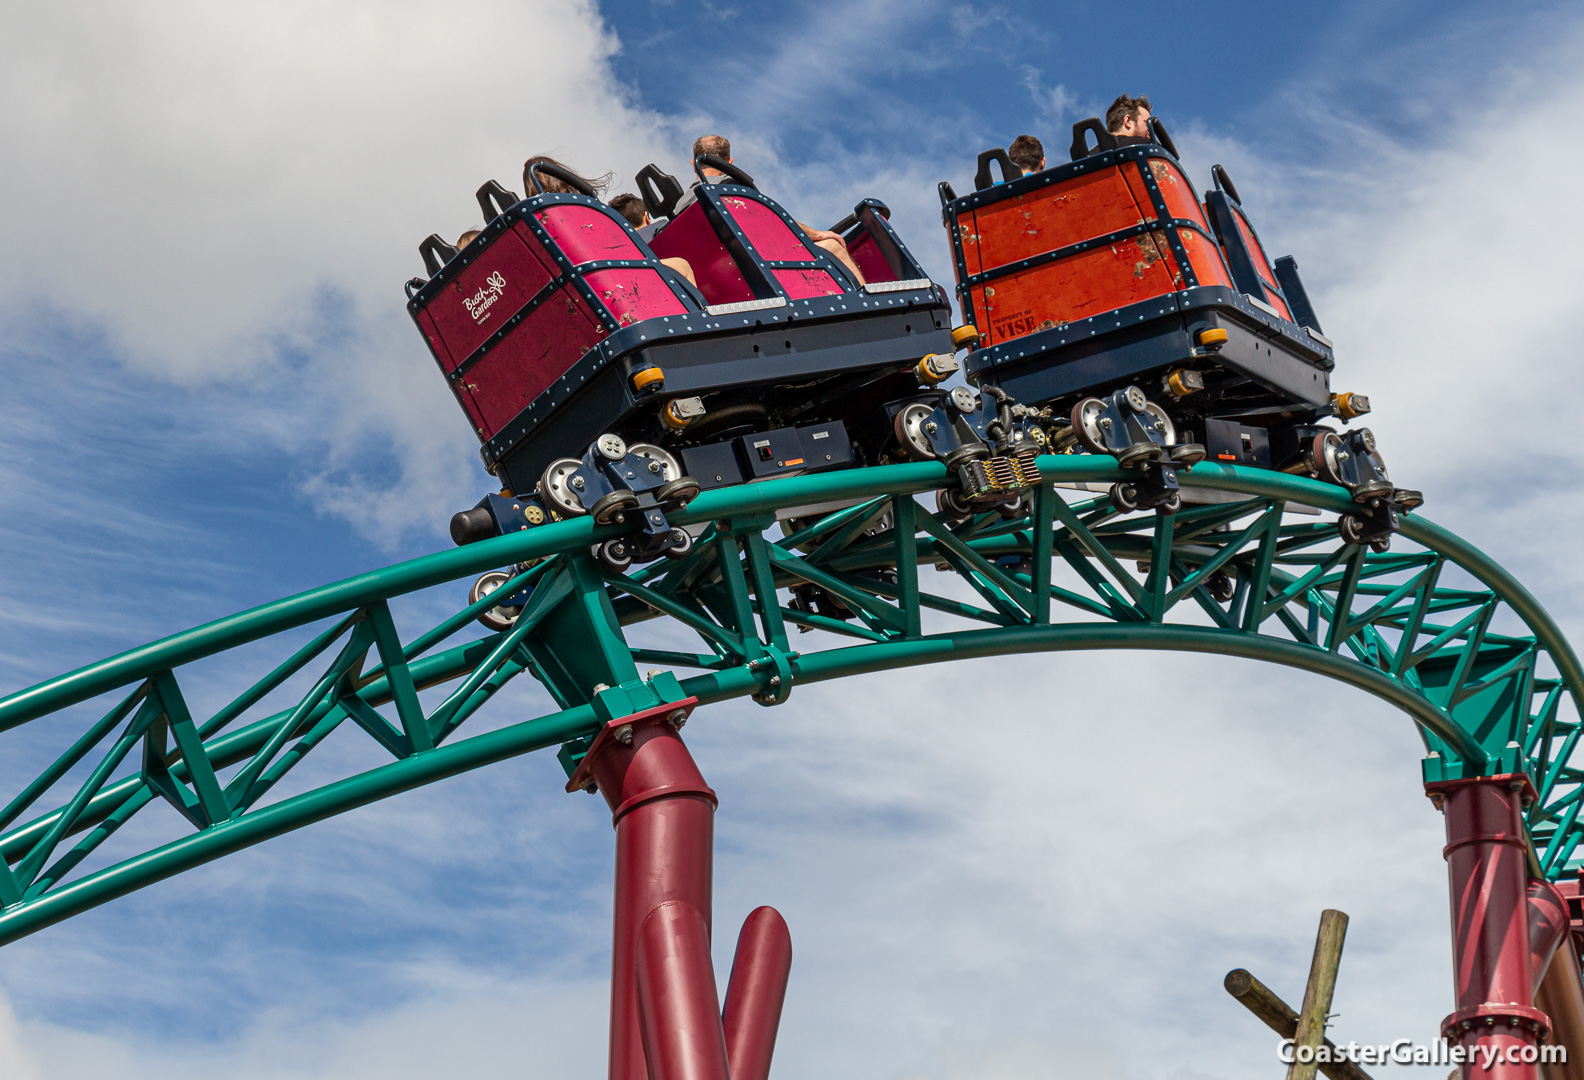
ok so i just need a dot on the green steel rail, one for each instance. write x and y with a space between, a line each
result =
1476 662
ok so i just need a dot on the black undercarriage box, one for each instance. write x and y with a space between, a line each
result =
766 454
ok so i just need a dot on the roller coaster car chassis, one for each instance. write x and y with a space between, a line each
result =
1103 276
559 326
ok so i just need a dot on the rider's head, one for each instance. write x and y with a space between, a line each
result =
1027 153
555 185
631 207
718 145
467 238
1129 116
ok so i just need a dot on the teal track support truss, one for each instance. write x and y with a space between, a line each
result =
1432 626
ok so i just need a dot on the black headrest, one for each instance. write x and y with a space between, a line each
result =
1009 171
1104 140
494 199
436 253
659 190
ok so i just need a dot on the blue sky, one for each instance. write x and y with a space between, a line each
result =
210 396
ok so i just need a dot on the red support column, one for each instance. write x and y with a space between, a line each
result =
756 992
677 1004
1549 925
664 815
1487 872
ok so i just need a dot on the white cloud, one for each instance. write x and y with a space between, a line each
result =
189 173
479 1030
234 194
1057 105
17 1062
1022 868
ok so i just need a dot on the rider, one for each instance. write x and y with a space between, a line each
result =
557 186
631 207
1128 119
1027 153
719 146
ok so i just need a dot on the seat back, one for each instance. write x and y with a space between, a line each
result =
743 247
875 246
1245 255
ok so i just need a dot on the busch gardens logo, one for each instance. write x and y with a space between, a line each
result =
479 303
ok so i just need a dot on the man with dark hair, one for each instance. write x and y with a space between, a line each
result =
1128 119
1027 153
631 207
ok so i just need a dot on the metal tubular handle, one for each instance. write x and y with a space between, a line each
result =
852 219
566 176
1162 136
704 161
1223 182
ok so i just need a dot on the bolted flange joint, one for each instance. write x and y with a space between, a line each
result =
1494 1014
638 758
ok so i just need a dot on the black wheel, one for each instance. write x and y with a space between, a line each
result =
1374 489
1189 454
495 618
681 544
611 509
1380 545
1125 498
659 461
949 502
1014 508
1351 529
1220 586
1086 424
1407 499
679 492
1170 505
555 487
1137 453
908 427
1160 422
613 554
1323 457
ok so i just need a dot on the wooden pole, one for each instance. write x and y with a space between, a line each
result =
1317 995
1282 1018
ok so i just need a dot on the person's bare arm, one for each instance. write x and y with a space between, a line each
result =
817 235
681 266
833 243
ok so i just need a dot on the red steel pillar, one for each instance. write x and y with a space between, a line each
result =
1493 970
676 996
666 1021
664 815
756 992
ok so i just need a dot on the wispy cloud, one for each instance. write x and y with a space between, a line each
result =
1032 867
